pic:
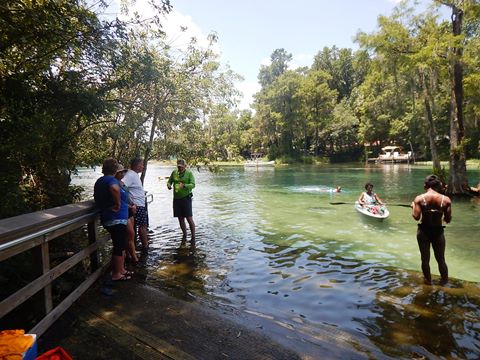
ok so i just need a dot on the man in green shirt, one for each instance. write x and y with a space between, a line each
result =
183 182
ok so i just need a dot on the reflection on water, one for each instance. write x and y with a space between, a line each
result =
269 242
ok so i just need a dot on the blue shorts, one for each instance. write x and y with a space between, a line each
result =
141 216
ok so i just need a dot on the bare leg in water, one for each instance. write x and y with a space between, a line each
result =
192 227
439 251
131 241
424 246
438 245
183 226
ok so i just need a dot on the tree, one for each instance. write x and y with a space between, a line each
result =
458 180
54 69
317 103
408 44
279 64
339 64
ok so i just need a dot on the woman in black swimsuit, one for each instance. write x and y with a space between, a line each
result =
432 208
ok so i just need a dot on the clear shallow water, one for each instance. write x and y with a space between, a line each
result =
269 242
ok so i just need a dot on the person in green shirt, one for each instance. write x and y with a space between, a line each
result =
182 182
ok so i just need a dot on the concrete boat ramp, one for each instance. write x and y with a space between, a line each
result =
135 321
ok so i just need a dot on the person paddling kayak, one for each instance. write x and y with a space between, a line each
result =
371 200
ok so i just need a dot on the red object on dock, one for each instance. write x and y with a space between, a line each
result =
55 354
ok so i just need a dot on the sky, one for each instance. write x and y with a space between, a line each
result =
250 30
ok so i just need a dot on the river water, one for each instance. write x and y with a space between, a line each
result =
270 243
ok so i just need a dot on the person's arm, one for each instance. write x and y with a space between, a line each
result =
115 191
190 184
127 179
447 213
170 181
416 209
378 199
360 199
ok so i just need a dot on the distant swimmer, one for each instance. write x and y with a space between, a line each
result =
335 190
315 189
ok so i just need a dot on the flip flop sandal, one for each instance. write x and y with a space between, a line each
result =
123 278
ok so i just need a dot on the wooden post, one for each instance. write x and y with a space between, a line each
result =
47 290
92 238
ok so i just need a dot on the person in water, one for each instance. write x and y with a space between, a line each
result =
183 182
432 207
371 200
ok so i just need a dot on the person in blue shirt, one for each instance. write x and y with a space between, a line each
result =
112 202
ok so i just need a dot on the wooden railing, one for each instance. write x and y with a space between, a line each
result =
34 231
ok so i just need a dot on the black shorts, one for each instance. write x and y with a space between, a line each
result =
183 207
431 232
119 238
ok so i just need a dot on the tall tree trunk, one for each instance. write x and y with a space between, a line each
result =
432 133
458 181
149 148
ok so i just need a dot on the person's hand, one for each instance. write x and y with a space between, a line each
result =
181 185
134 209
116 207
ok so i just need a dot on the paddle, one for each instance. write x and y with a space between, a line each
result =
351 203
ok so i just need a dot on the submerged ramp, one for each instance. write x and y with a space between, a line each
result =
139 322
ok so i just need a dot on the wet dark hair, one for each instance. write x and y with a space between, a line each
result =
433 182
110 166
135 161
368 184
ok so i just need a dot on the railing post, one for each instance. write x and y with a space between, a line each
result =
47 290
42 266
92 238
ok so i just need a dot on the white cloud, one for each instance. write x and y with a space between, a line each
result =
247 88
266 61
300 60
180 28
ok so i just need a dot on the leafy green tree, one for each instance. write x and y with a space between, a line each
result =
317 103
408 45
279 64
462 10
54 70
339 64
